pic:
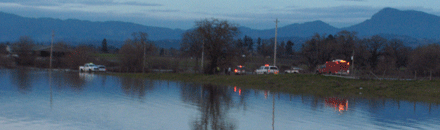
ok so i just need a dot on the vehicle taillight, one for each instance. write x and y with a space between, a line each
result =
235 70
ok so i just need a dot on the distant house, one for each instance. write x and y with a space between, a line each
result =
44 51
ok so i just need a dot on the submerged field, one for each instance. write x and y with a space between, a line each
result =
319 85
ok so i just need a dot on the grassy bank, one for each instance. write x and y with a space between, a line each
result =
319 85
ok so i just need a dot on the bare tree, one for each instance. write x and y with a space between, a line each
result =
346 41
310 52
191 46
79 56
135 52
425 58
218 36
398 52
375 46
23 48
318 50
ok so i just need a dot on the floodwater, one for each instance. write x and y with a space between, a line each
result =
31 100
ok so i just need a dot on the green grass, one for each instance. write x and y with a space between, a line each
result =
318 85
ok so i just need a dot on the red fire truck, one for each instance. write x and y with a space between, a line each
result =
334 67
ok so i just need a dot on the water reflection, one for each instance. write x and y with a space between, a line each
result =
94 101
22 79
87 76
136 86
214 103
243 97
338 104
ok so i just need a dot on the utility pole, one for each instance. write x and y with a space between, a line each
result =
51 50
144 58
275 47
143 38
203 52
352 64
50 70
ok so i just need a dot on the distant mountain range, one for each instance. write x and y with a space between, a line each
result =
390 23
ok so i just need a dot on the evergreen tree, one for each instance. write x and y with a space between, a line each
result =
162 51
289 47
248 43
259 45
104 46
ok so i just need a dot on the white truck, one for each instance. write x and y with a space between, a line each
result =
267 69
89 67
293 70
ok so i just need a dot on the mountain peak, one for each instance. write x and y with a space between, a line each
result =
386 13
391 13
316 22
393 21
388 10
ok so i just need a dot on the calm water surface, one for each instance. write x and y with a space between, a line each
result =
31 100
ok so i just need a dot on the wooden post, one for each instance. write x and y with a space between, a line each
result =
415 75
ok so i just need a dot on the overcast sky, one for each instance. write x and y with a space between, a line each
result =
256 14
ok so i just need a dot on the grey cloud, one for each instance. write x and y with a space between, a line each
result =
111 2
164 11
83 2
354 0
32 2
341 16
141 4
138 18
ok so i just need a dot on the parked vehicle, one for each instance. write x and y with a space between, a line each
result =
101 68
294 70
89 67
334 67
240 70
267 69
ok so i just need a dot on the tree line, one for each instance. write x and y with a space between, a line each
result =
218 40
